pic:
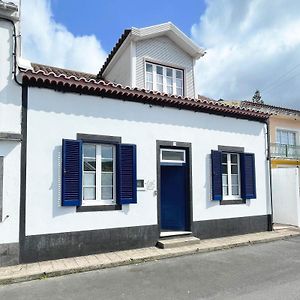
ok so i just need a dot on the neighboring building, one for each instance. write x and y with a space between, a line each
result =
116 160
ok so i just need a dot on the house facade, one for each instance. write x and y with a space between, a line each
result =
115 160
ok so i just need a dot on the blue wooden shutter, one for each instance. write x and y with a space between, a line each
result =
248 184
216 173
126 174
71 173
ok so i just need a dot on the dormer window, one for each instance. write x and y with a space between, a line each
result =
164 79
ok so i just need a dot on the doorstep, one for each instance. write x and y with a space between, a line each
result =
46 269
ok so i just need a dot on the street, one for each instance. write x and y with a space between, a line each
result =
264 271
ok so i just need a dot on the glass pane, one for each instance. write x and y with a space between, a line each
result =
234 169
224 169
169 90
159 70
234 179
292 138
107 152
89 193
149 68
233 158
159 79
106 193
149 77
149 86
178 74
89 164
89 179
160 88
107 166
89 150
169 72
179 92
169 81
172 155
107 179
179 83
235 190
225 190
225 179
224 158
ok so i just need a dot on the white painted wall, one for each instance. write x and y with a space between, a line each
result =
10 93
120 72
53 116
164 51
286 197
9 227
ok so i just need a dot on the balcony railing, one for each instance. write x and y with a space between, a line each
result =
285 151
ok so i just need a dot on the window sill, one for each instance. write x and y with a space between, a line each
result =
233 202
99 208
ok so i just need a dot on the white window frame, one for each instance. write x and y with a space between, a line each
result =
229 182
173 161
279 130
154 81
98 200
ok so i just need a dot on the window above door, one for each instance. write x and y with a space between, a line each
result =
164 79
172 156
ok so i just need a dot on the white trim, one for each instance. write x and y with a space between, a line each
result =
173 150
133 63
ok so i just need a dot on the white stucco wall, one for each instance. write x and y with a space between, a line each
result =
164 51
53 116
10 93
9 227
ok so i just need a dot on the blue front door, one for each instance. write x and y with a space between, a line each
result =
174 198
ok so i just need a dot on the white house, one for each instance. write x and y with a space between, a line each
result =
96 163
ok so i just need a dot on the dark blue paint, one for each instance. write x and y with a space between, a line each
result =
174 198
248 182
216 173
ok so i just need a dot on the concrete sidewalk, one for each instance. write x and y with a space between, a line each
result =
45 269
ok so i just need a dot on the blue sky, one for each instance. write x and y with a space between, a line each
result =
108 18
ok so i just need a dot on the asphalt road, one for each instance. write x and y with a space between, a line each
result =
265 271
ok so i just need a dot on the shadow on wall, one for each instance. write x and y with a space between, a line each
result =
97 107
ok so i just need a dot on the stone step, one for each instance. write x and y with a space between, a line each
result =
174 242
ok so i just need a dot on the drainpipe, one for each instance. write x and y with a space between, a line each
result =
270 171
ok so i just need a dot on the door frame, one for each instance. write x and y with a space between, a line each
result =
188 148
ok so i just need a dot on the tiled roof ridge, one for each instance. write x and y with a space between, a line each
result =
113 51
47 75
274 107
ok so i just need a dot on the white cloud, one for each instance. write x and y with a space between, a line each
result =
250 45
48 42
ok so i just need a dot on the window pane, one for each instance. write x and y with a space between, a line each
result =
178 74
149 86
106 152
169 72
107 166
172 155
160 88
225 179
292 138
169 90
89 179
169 81
233 158
179 92
106 193
235 190
224 169
225 190
159 79
234 169
159 70
224 158
89 164
149 68
179 83
234 179
89 193
149 77
107 179
89 150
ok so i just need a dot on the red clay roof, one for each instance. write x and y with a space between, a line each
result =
85 83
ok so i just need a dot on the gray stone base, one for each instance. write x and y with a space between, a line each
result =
234 226
69 244
9 254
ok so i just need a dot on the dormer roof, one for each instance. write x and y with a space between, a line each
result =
138 34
